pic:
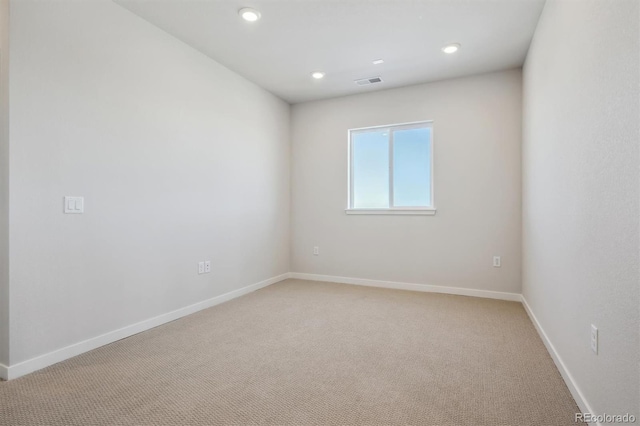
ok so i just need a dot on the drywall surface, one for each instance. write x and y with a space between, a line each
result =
477 139
580 194
178 159
4 182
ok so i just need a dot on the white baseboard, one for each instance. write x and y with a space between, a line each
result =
37 363
42 361
564 371
514 297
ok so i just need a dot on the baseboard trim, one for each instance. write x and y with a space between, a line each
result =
42 361
514 297
578 396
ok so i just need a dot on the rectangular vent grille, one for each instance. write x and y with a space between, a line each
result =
370 80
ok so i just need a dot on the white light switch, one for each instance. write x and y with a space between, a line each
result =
74 205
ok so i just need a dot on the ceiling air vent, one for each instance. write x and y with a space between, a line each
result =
370 80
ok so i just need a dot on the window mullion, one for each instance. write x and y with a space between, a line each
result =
350 165
391 202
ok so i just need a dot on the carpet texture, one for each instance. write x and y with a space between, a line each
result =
310 353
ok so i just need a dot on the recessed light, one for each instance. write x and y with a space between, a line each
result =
451 48
317 75
249 14
378 62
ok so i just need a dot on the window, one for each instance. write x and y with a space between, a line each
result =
391 169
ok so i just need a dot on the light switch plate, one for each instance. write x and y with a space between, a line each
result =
73 205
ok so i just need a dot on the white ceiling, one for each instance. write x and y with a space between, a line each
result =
343 37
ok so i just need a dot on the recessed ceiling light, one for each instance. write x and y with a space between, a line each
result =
249 14
317 75
378 62
451 48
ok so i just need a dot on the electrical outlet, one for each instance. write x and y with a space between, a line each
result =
594 338
200 267
316 251
497 262
207 266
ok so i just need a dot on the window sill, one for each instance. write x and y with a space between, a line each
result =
424 212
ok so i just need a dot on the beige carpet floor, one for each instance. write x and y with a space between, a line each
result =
309 353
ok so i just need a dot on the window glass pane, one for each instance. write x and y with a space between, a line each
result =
412 168
370 156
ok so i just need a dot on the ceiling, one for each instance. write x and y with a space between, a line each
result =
342 38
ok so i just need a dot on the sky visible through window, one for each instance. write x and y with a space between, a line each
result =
411 168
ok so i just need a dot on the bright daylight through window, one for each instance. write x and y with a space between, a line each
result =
391 169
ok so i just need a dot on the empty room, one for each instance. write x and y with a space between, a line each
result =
319 212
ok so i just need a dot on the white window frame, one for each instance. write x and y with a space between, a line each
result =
392 210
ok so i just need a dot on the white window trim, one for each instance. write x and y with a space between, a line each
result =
422 210
398 211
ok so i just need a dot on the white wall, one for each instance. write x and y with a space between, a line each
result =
4 182
580 193
178 158
477 134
